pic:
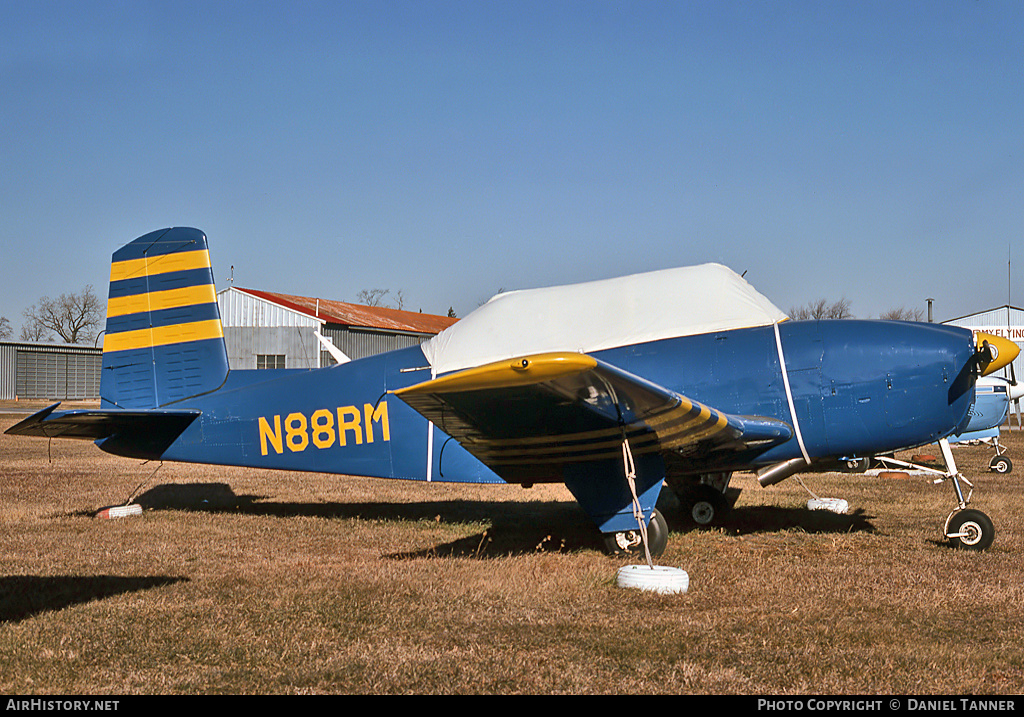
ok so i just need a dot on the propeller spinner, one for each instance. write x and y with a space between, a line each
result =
994 352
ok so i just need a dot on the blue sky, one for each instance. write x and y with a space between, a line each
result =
866 150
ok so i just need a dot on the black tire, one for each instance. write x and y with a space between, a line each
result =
971 530
704 506
630 542
1000 464
856 465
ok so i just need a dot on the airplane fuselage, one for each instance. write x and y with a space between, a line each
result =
857 388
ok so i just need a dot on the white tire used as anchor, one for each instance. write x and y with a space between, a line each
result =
120 511
835 505
655 578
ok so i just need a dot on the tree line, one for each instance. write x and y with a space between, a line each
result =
73 318
376 297
840 309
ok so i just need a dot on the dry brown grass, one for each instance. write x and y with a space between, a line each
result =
248 581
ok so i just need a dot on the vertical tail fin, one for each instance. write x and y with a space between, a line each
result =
164 341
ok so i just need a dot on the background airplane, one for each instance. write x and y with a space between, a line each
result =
994 396
609 387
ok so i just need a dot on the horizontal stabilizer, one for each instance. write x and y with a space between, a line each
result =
137 434
532 415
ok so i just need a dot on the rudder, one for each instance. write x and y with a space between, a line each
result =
164 341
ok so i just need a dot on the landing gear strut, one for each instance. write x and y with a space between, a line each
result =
965 527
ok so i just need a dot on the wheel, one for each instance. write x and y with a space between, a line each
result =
971 529
630 542
856 465
1000 464
704 505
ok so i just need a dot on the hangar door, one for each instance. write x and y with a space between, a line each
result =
59 375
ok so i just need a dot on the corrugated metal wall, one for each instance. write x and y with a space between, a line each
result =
253 327
8 371
238 309
297 344
357 343
45 371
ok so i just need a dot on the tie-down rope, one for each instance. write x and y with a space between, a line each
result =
630 469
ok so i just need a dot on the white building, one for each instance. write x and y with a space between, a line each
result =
263 329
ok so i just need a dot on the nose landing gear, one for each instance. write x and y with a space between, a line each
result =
965 527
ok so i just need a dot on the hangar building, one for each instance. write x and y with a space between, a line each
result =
1006 321
63 372
264 329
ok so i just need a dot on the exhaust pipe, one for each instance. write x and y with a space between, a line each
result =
780 471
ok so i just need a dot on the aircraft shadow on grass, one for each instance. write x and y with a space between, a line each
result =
515 526
23 596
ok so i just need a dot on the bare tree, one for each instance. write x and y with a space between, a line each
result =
74 317
372 297
375 297
5 328
34 332
903 314
822 309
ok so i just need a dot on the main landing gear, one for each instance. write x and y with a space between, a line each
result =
1000 462
965 527
703 503
703 500
631 542
644 477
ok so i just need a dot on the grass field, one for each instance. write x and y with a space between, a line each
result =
246 581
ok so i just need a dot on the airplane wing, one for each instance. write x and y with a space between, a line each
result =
526 418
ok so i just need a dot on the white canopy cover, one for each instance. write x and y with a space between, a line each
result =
603 314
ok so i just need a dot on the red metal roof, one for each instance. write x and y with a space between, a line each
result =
369 317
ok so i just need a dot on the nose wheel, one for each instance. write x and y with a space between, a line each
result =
702 499
1000 464
965 527
970 529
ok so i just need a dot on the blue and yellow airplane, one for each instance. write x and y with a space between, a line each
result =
611 387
